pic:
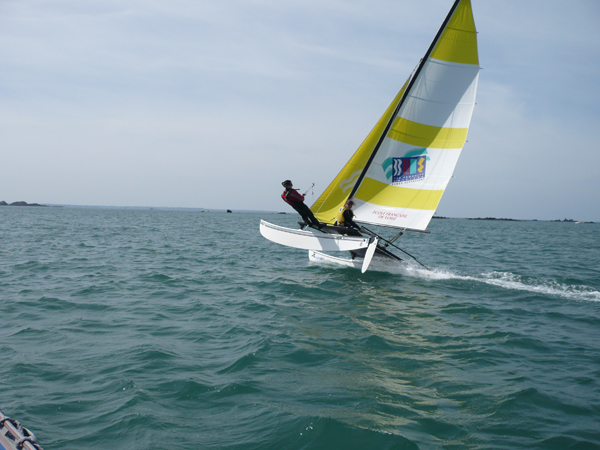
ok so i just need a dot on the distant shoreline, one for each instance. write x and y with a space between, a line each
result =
225 210
514 220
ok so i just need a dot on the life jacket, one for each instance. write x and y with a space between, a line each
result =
292 197
341 220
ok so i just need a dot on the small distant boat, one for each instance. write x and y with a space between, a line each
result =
14 436
400 171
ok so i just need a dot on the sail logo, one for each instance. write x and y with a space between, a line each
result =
411 167
408 169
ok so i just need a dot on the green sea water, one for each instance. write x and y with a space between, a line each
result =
155 329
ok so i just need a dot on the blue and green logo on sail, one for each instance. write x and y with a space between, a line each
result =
410 167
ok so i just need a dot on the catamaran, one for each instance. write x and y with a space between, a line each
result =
397 176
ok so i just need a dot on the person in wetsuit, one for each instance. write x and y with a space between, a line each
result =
345 216
296 200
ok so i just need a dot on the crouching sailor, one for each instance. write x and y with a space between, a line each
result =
345 216
296 200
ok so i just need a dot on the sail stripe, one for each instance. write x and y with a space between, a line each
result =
428 136
383 194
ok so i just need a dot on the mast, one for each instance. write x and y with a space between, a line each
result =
401 102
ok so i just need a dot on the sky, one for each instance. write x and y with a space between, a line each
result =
213 103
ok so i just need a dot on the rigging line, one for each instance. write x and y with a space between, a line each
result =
395 246
312 186
312 191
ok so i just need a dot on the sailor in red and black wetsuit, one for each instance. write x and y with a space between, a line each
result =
296 200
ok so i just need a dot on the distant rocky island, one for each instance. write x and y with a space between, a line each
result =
513 220
521 220
3 203
494 218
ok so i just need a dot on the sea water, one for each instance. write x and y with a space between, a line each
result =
165 329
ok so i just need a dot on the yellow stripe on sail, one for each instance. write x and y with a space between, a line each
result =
458 42
427 136
383 194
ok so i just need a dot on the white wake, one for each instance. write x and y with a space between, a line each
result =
507 280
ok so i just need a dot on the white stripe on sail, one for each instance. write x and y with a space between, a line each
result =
443 96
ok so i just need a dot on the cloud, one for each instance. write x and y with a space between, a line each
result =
181 103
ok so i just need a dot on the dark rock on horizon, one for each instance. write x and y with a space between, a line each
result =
494 218
20 203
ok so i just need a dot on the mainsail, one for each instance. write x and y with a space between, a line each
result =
399 173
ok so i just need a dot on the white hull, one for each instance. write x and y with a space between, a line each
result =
311 240
315 256
378 263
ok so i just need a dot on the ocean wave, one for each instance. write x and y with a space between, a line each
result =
191 330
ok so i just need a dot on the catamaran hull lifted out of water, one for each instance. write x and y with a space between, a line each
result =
312 240
397 176
329 238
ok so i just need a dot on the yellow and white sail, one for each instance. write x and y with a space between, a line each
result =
399 173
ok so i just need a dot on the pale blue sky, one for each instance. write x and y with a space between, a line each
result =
213 103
